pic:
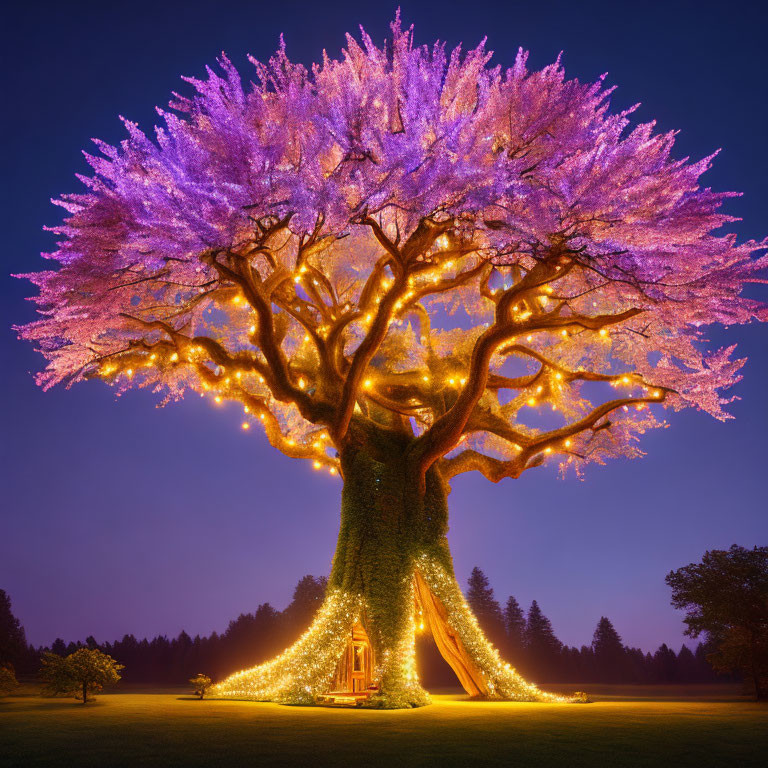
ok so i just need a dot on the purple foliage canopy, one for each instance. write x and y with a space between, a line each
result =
294 245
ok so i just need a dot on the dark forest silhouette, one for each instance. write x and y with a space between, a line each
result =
527 639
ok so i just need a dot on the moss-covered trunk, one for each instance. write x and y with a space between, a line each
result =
392 562
386 524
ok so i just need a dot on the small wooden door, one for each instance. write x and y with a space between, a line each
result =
354 672
359 671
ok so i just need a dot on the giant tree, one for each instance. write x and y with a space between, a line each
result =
404 265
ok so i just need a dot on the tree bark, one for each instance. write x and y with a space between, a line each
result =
392 562
385 525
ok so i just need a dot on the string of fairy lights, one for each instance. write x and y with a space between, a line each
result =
305 671
502 681
238 383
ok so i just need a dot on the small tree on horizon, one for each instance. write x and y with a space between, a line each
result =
403 265
8 681
201 684
81 674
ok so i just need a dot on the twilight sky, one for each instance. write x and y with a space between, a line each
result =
119 517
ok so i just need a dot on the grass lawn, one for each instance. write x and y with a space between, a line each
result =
640 727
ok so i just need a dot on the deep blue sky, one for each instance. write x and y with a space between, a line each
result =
119 517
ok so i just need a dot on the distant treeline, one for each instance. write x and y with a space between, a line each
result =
527 640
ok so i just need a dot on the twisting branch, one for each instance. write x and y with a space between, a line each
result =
445 433
284 387
533 450
420 241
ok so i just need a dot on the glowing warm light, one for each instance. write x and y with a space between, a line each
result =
305 670
385 244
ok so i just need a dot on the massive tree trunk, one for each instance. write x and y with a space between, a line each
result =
392 571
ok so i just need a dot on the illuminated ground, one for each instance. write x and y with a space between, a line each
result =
141 729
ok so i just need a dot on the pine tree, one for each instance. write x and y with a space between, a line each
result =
705 673
686 666
542 646
485 607
610 654
664 664
514 622
13 642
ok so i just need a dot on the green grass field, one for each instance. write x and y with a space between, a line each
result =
642 727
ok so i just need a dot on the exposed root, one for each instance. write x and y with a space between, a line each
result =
478 665
305 670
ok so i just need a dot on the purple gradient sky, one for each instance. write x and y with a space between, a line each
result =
119 517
